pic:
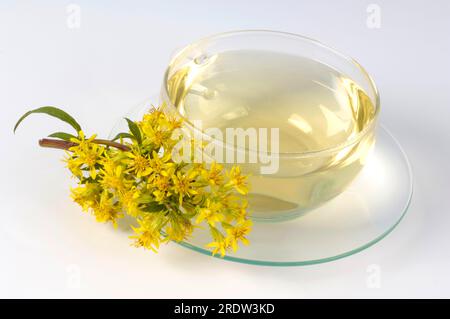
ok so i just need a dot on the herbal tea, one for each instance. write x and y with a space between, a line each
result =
314 106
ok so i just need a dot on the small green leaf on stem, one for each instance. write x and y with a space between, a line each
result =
55 112
122 135
134 129
153 207
62 136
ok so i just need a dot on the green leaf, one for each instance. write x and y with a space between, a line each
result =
62 136
134 129
55 112
188 211
153 207
122 135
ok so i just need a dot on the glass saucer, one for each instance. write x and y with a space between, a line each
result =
366 212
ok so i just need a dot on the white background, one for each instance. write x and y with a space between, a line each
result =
48 248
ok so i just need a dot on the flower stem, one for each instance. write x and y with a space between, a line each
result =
112 144
65 145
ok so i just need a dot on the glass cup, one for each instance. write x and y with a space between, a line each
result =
304 179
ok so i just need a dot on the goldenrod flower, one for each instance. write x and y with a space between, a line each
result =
154 135
161 183
173 124
160 196
161 165
241 210
210 213
237 233
86 154
74 165
179 227
218 247
105 210
148 233
160 187
238 181
184 185
137 164
85 195
113 178
213 175
130 201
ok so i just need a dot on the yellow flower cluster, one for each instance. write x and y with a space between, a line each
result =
167 199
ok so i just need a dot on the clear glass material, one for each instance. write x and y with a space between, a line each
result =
307 177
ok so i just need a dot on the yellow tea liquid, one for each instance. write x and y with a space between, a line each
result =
314 106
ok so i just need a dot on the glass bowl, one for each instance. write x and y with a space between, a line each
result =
328 95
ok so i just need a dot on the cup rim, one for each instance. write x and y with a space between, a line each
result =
314 153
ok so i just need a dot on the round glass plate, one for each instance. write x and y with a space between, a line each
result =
367 211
